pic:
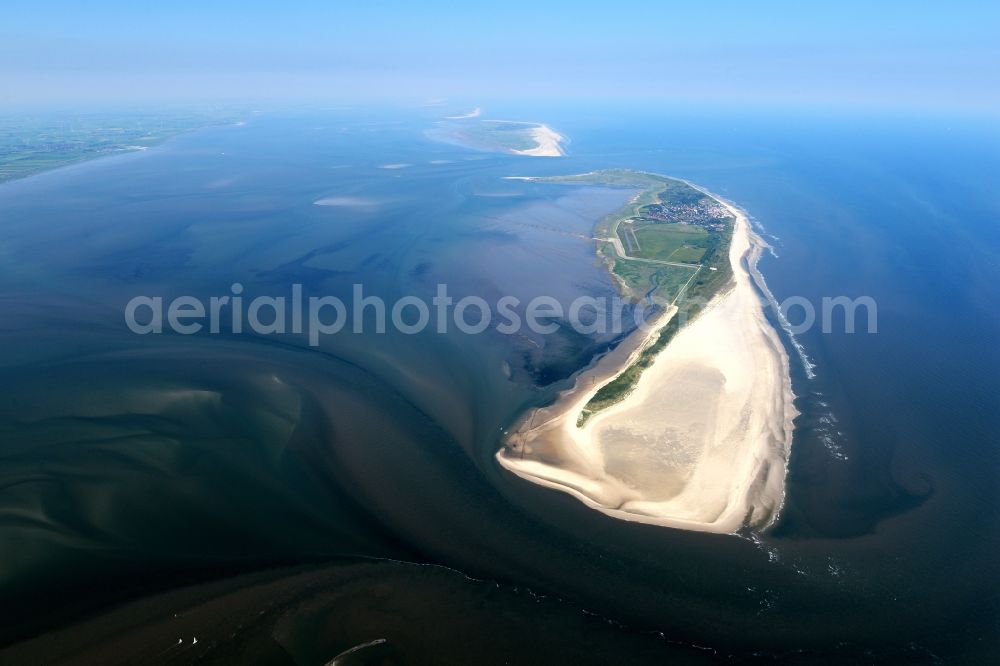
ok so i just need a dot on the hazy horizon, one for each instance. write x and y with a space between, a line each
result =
853 55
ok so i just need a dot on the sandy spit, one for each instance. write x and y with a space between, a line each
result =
702 441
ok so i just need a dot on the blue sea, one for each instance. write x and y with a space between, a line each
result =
135 464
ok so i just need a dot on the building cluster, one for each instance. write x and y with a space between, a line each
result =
706 213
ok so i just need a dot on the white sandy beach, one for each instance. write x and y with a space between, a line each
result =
475 113
549 143
702 441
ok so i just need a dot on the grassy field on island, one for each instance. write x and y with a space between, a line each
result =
675 240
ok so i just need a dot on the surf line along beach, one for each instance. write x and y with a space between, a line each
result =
701 442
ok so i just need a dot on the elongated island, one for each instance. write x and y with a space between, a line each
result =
513 137
687 423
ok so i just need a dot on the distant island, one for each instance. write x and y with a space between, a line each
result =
504 136
686 424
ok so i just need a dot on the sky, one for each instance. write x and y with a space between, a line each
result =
864 54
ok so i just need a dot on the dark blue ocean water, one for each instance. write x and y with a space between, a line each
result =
131 463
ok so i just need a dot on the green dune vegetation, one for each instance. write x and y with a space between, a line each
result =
668 244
